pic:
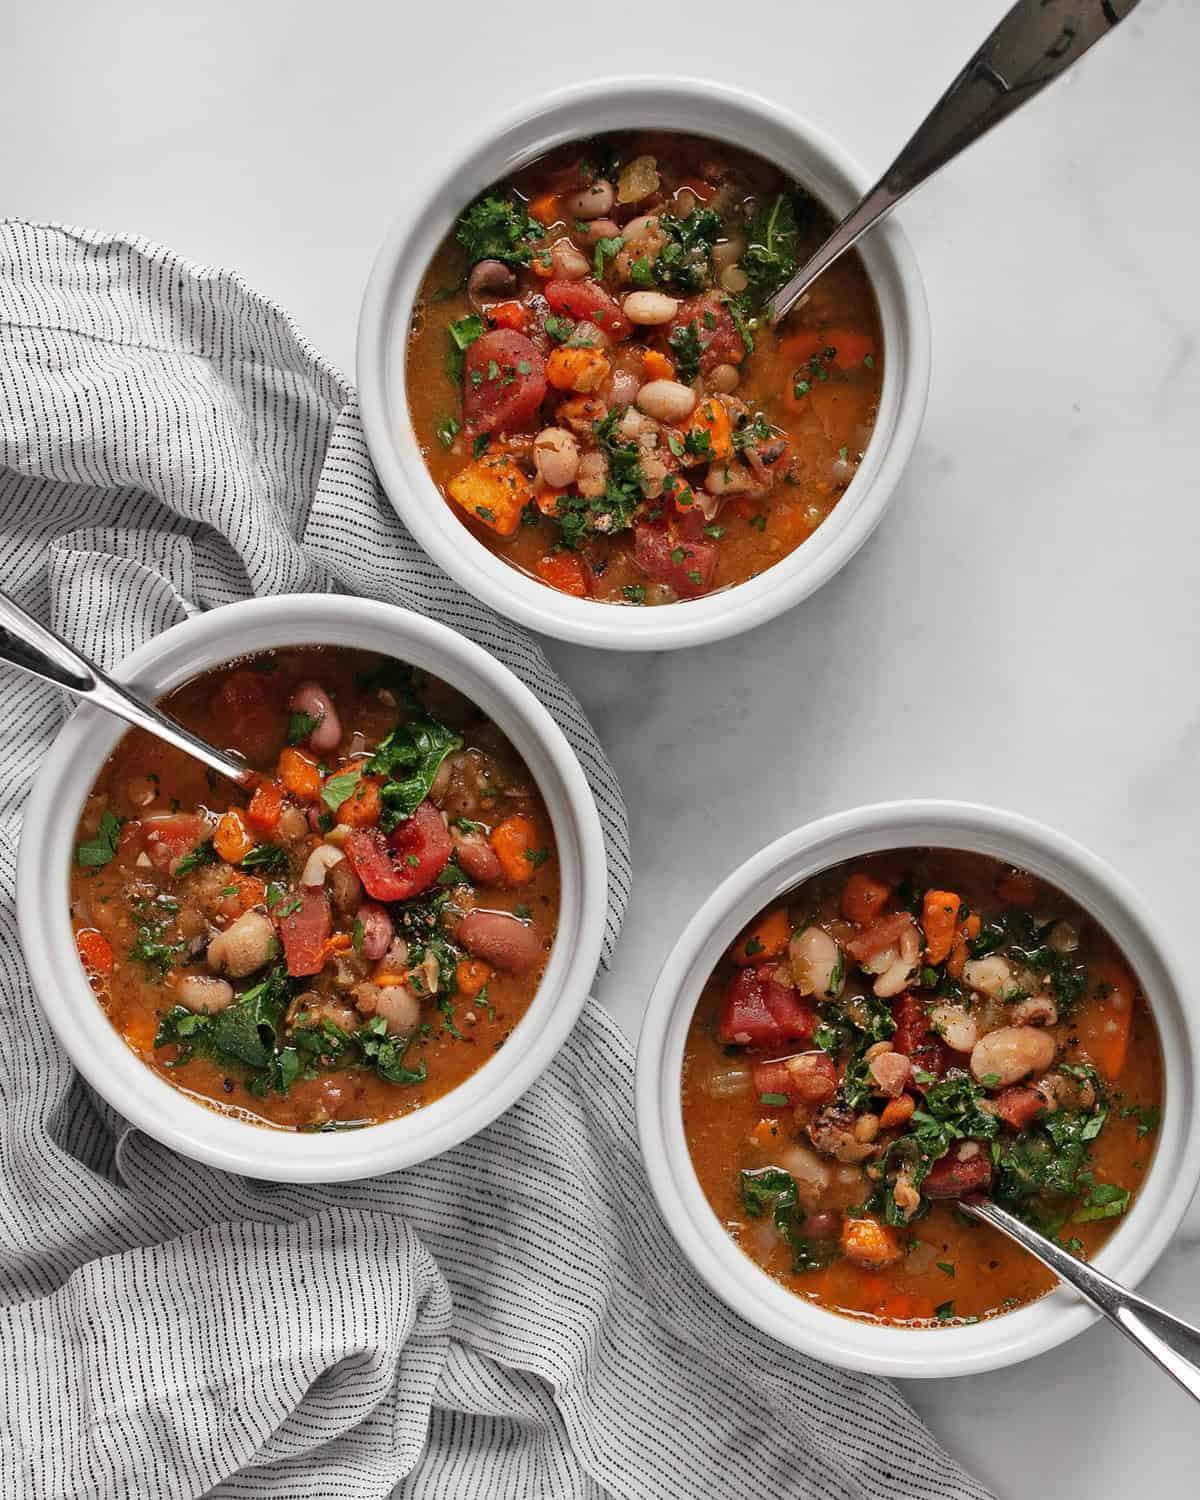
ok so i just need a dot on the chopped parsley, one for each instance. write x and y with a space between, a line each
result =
497 229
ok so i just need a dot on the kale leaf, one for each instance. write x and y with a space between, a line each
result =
97 851
773 235
410 758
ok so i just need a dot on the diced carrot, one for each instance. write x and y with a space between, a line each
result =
939 916
139 1030
863 898
338 942
711 417
866 1242
265 805
765 1133
657 366
470 976
1017 887
364 806
248 891
547 501
565 571
581 369
850 347
300 773
1105 1018
769 936
494 490
897 1112
388 981
959 951
514 841
683 498
231 840
95 951
512 315
544 208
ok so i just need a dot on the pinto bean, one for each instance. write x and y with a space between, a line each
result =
891 1072
602 229
501 939
377 930
311 698
724 378
204 993
1038 1010
345 888
1010 1053
244 946
477 857
490 281
568 263
832 1133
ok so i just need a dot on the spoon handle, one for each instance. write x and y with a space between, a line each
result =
31 647
1035 42
1171 1342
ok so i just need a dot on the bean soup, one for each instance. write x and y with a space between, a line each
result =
348 940
901 1032
596 392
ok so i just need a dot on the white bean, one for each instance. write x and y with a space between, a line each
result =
592 202
204 993
992 975
956 1026
319 863
649 308
729 477
817 965
734 280
1010 1053
666 400
728 252
244 946
556 454
399 1007
592 476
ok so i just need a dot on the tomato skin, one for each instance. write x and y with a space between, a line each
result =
757 1012
1019 1106
304 932
929 1054
589 303
249 716
405 864
655 552
509 399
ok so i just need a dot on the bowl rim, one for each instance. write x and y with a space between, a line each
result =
692 105
732 1275
172 1116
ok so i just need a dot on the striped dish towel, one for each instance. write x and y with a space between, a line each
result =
511 1320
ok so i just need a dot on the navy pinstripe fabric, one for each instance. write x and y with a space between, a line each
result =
511 1320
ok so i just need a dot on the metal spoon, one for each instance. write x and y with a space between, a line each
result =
1169 1341
1036 42
31 647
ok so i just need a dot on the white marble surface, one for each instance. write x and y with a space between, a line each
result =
1023 628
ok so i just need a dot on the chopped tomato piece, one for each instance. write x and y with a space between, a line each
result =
719 340
807 1078
880 935
544 208
965 1168
687 567
408 863
504 383
590 303
248 715
864 898
758 1012
912 1023
304 931
565 571
1018 1106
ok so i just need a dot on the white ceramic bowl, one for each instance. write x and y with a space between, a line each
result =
430 209
139 1094
845 1341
